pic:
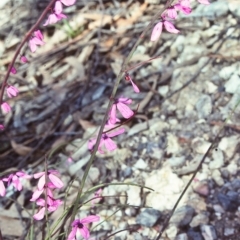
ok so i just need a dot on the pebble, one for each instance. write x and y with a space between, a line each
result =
199 219
218 159
229 202
183 216
171 232
200 145
226 72
231 86
201 187
204 106
234 8
182 236
133 195
216 175
208 232
176 161
232 168
194 235
163 90
148 217
229 144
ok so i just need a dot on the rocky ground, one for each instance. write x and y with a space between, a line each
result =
186 96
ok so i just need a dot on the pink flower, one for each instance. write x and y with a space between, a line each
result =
121 105
15 179
57 183
170 27
13 70
58 7
184 3
128 78
106 140
69 160
183 9
79 225
172 13
1 127
53 18
5 107
23 59
2 189
37 40
206 2
12 91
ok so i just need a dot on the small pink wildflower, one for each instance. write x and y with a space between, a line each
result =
23 59
5 107
36 40
53 18
135 87
15 179
183 9
106 140
1 127
12 91
13 70
172 12
79 225
40 214
121 105
52 176
170 27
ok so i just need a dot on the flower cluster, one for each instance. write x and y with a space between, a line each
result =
13 179
53 182
171 13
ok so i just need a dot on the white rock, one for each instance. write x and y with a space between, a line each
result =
229 144
204 106
200 145
172 144
218 159
232 168
140 164
232 85
208 232
172 232
216 175
226 72
133 194
163 90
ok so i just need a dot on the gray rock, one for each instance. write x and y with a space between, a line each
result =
182 236
183 216
232 85
234 8
176 161
229 202
204 106
194 235
208 232
148 217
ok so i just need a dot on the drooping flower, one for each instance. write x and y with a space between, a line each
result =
13 70
12 91
5 107
58 7
40 214
135 87
79 225
53 18
106 140
36 40
120 105
23 59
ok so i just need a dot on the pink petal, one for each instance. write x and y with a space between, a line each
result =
16 183
156 32
32 45
36 195
135 87
38 35
68 2
37 41
58 7
1 127
40 202
12 91
38 175
41 182
170 27
110 144
84 231
2 189
185 3
124 110
112 114
60 16
172 13
72 234
56 181
206 2
40 214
